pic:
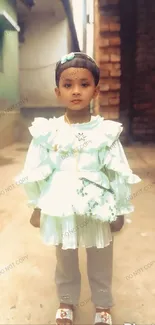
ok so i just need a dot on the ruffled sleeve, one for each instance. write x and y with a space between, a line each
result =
116 167
38 166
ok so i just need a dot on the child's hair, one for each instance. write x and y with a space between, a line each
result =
77 60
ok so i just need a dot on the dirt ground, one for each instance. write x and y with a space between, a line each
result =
27 266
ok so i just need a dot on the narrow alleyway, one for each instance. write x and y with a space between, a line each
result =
28 293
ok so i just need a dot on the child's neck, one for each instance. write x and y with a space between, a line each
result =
81 116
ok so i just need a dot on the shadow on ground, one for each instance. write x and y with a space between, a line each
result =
6 161
21 149
143 173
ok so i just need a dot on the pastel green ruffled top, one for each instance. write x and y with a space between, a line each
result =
77 206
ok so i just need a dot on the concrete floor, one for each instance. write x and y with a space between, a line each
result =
28 293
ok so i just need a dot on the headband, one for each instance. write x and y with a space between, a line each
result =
71 56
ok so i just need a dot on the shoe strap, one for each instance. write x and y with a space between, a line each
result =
103 317
64 313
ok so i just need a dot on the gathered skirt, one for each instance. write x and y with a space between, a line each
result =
76 212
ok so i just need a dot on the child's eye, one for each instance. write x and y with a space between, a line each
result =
67 85
85 84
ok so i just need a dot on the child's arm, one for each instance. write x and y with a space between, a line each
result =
117 224
35 218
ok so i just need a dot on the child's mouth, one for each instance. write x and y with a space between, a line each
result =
76 101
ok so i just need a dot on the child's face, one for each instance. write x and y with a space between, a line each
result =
76 88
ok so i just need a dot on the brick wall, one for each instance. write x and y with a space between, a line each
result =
125 53
143 122
108 56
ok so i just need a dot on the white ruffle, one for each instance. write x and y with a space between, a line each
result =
44 131
35 175
51 179
38 165
121 177
41 127
73 232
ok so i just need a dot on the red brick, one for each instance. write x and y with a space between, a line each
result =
112 108
104 42
104 113
104 27
106 51
114 27
104 100
115 86
115 73
110 19
111 111
113 83
115 41
112 51
104 87
114 115
117 66
104 73
112 94
115 58
105 57
106 66
114 101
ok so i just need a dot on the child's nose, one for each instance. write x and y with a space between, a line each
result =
76 90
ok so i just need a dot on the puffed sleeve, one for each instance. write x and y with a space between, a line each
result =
38 166
121 177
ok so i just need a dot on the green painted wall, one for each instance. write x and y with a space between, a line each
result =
9 72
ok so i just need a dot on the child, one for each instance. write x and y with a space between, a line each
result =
78 182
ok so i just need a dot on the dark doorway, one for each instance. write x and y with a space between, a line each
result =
138 68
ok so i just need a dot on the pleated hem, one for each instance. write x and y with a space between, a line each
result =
75 232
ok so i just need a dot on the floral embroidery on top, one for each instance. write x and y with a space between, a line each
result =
81 192
92 205
81 137
112 210
82 188
82 144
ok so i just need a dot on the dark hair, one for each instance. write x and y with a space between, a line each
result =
80 60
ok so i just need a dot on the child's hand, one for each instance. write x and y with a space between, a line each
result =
35 218
117 224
